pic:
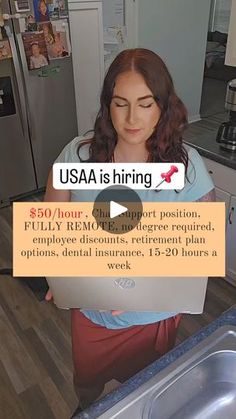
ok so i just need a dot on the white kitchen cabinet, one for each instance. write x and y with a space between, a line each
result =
222 196
224 179
86 29
231 241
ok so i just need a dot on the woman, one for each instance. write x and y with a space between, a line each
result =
141 119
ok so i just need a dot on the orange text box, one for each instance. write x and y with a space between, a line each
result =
172 239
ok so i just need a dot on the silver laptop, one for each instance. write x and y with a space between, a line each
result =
180 294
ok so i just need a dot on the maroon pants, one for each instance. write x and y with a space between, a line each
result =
101 354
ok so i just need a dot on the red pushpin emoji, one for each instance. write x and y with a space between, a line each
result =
167 176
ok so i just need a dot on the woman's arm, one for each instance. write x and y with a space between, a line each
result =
55 195
209 197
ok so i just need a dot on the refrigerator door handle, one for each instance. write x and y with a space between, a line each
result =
24 76
20 84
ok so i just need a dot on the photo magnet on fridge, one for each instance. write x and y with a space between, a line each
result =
53 9
61 47
63 8
35 50
47 30
57 9
5 50
22 6
1 21
1 17
3 34
31 24
41 11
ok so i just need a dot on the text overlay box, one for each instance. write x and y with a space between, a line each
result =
172 239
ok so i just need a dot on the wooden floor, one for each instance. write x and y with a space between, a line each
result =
35 356
35 346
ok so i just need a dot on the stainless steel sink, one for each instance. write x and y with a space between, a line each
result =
201 384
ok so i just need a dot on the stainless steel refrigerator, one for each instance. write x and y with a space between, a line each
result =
37 114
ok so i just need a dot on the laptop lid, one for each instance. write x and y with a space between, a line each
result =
181 294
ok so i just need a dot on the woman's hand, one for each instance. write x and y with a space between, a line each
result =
49 296
116 312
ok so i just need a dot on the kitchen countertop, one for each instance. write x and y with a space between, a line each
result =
208 147
99 407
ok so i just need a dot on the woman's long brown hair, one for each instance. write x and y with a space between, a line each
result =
165 144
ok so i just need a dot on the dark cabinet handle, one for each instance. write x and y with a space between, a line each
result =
231 215
220 132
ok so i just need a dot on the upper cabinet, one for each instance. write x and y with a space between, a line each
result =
86 30
99 31
230 58
116 28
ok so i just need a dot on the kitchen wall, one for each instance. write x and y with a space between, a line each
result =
177 30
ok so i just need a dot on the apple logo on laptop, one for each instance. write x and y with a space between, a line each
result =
124 283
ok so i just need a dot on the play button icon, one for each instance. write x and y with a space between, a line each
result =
118 209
